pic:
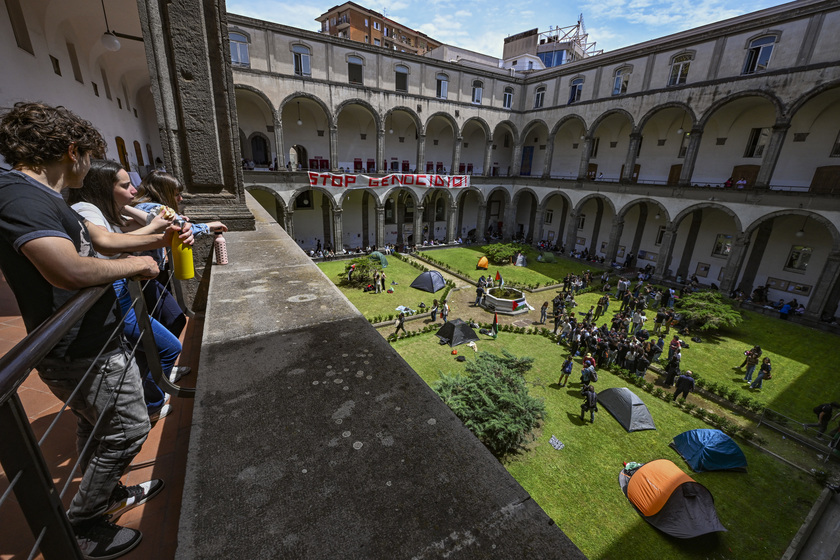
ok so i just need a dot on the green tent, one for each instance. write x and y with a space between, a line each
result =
377 256
548 257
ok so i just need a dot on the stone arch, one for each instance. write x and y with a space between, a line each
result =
346 192
272 192
520 191
259 93
568 118
621 212
606 114
333 202
533 123
822 220
448 118
481 122
582 202
298 95
433 194
669 105
803 100
547 199
513 130
505 192
459 198
377 120
712 205
411 113
775 102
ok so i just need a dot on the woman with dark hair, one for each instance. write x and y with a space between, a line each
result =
763 373
104 201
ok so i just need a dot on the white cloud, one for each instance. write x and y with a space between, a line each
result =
294 15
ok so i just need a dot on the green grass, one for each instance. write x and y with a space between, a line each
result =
372 304
578 486
464 259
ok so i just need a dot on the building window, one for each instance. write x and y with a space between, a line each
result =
74 63
377 42
354 69
798 258
55 65
367 39
302 57
95 89
19 26
757 142
659 235
477 89
723 245
549 217
758 54
367 22
593 148
105 83
581 221
401 78
507 99
442 86
239 55
622 78
376 25
575 89
679 70
539 97
835 151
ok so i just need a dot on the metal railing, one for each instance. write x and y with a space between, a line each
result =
23 463
801 432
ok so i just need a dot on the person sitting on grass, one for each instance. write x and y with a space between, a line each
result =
590 403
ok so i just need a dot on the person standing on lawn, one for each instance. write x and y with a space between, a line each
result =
590 403
685 385
763 373
565 371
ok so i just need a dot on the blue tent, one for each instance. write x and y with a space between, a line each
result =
709 450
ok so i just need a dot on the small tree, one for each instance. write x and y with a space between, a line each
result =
502 253
365 267
707 311
492 400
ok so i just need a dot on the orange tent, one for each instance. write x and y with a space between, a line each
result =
483 263
653 484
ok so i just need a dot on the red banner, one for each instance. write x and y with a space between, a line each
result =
354 181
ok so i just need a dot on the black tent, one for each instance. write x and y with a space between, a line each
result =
456 332
429 281
627 408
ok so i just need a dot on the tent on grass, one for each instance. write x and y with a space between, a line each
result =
709 450
429 281
377 256
456 332
627 408
670 500
548 257
483 263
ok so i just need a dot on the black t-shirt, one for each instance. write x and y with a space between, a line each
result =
30 210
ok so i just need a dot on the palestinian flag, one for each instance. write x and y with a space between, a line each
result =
495 325
514 306
499 279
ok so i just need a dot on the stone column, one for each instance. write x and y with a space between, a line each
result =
571 231
583 169
538 235
481 223
669 238
338 232
380 227
734 261
488 159
289 222
421 153
452 223
630 160
549 155
334 149
690 158
509 219
516 164
820 295
456 156
186 47
380 151
771 155
418 225
615 238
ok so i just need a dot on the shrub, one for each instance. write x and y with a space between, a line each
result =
700 383
502 253
689 406
658 392
669 397
733 395
492 400
648 386
708 311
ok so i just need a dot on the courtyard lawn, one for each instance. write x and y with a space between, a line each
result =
577 486
464 259
372 304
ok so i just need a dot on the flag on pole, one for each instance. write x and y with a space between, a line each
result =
499 279
495 325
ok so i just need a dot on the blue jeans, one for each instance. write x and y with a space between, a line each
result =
543 314
168 346
112 390
757 383
750 370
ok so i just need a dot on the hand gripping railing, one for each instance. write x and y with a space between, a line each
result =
20 452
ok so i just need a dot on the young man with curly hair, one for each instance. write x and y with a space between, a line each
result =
46 255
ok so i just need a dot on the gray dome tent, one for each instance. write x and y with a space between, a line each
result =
429 281
627 408
456 332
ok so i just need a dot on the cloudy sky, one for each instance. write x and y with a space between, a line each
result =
482 25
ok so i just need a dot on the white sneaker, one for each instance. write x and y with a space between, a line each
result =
164 411
178 372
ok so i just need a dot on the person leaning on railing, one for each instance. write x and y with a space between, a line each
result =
103 200
47 253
